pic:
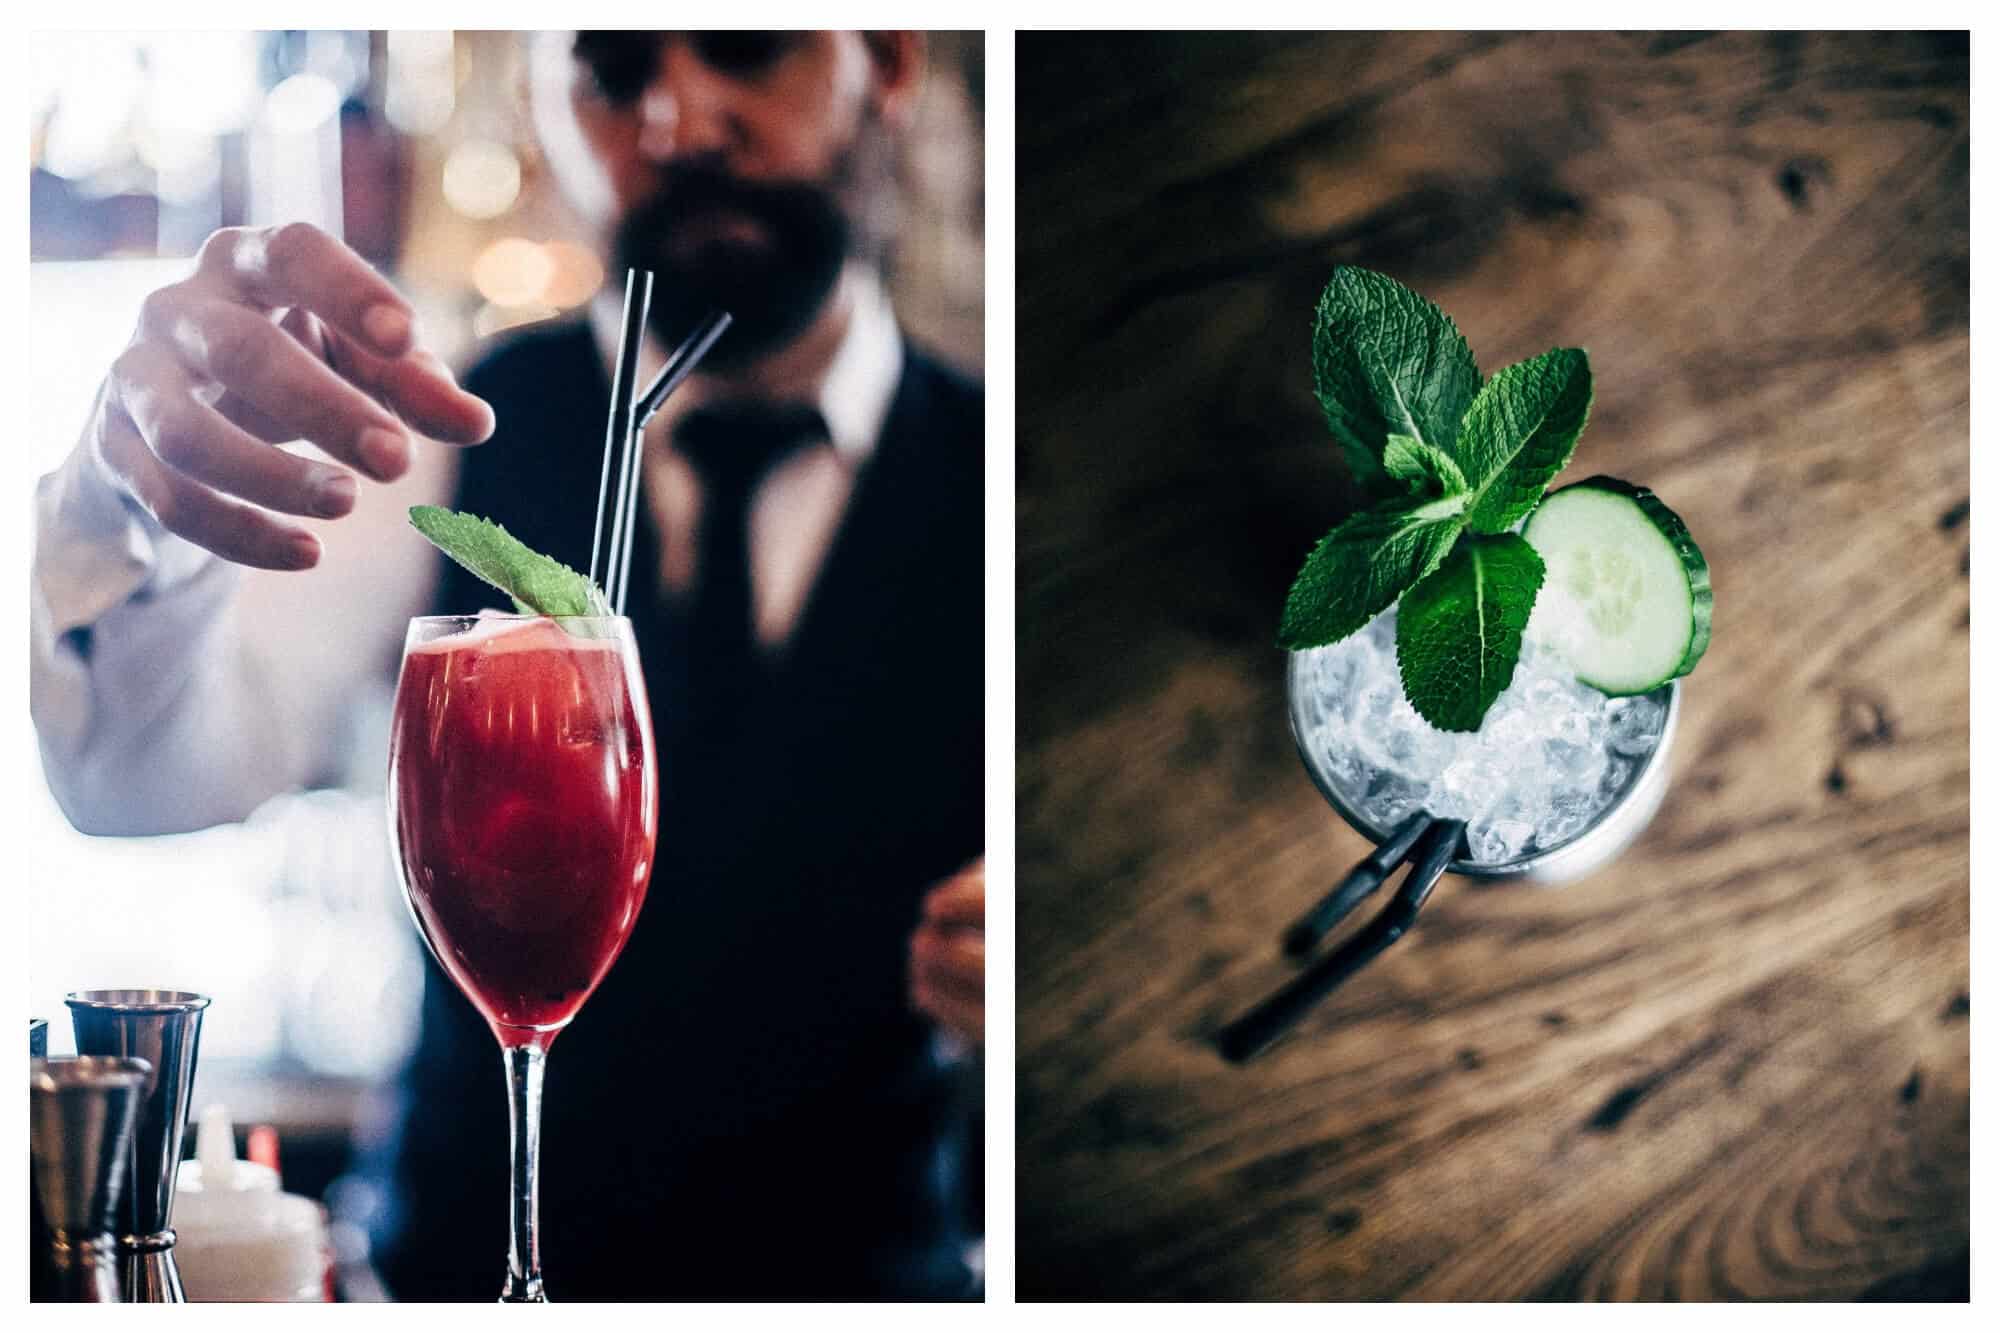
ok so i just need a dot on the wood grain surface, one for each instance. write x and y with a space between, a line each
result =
1735 1063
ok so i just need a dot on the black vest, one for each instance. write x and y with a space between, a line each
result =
747 1107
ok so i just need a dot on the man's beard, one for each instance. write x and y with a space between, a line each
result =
774 288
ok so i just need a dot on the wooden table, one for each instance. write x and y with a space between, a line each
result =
1734 1064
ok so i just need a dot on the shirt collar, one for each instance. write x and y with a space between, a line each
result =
861 383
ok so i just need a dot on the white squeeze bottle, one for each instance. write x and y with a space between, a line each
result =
241 1238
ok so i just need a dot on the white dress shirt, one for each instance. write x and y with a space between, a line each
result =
158 710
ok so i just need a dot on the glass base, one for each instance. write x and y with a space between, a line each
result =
523 1291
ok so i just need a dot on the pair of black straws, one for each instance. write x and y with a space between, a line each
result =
1429 844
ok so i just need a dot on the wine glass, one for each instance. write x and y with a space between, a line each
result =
524 805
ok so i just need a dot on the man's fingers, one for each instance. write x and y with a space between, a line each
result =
954 1008
305 326
418 388
199 442
963 910
299 265
192 511
968 1020
310 334
960 900
238 412
955 953
334 306
948 961
290 388
932 983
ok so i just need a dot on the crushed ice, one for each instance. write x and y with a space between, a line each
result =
1552 755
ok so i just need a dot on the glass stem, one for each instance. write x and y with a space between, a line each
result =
524 1139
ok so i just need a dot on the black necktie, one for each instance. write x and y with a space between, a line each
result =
731 448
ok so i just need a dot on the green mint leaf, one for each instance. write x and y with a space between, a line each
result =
1387 362
1458 632
1519 432
1364 564
1425 470
539 585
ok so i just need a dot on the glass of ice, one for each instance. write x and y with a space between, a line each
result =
1558 780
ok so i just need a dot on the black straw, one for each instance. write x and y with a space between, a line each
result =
680 364
618 424
1361 881
628 466
1243 1039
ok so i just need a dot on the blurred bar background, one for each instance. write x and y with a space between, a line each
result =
415 148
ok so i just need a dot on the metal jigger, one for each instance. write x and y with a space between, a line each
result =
41 1279
80 1117
163 1028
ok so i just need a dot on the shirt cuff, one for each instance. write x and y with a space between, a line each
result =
95 550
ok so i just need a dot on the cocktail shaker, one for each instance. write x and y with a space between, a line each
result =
81 1112
163 1028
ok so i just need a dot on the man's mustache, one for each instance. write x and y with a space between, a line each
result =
682 194
773 288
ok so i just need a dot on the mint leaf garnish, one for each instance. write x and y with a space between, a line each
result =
1387 362
1362 565
539 585
1458 631
1424 469
1519 432
1465 462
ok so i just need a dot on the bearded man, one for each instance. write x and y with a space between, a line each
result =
759 1101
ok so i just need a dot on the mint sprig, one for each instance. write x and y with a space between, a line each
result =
1458 631
1366 563
1387 362
1425 470
1459 464
1519 432
539 585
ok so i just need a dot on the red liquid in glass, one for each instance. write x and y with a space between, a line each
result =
525 814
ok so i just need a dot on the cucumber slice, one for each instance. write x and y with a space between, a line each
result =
1626 598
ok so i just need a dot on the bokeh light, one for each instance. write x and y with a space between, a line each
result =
199 84
93 87
172 151
301 104
482 179
191 174
513 272
575 274
422 81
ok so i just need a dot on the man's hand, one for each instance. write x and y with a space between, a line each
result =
948 954
281 334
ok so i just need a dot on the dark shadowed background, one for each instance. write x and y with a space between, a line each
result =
1733 1064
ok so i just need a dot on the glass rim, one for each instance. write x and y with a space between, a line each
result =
138 1001
514 615
1645 771
56 1073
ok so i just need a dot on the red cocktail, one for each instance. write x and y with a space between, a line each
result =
524 804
